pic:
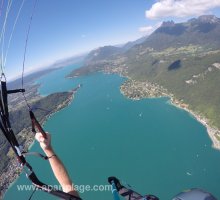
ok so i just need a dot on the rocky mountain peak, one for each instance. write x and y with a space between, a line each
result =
211 19
168 23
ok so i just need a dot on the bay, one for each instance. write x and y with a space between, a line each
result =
152 145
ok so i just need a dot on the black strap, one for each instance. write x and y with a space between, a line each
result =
37 154
35 123
51 190
15 91
4 98
5 123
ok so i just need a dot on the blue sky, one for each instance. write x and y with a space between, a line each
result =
63 28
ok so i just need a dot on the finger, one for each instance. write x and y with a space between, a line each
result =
42 139
39 137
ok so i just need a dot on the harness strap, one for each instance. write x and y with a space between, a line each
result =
15 91
5 123
35 123
50 190
4 98
14 144
37 154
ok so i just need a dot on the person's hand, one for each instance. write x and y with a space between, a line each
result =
44 143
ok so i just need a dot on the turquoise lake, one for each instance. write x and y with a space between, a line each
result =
151 145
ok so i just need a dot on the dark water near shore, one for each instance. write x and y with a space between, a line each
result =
152 145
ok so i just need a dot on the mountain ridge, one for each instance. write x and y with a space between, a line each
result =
203 30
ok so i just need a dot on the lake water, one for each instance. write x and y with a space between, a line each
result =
151 145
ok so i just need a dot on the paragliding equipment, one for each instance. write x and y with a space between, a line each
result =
5 124
127 193
130 194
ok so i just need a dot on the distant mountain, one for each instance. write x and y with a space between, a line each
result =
204 30
68 61
131 44
31 77
102 53
16 84
211 19
108 52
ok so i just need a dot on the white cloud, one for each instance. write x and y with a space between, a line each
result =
181 8
147 30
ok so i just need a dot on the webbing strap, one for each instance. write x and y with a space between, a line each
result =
35 123
4 99
51 190
5 123
35 154
15 91
14 144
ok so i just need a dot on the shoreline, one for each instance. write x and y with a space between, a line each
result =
212 131
137 90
